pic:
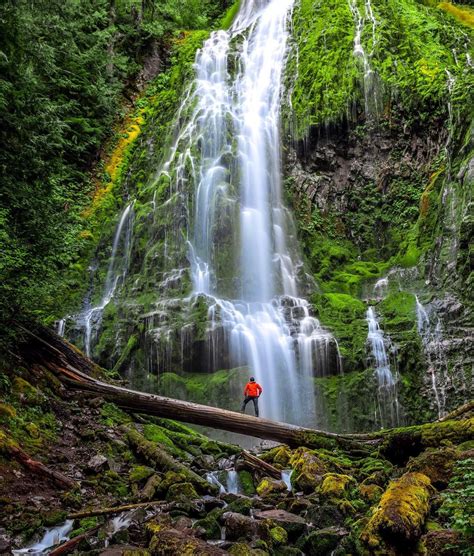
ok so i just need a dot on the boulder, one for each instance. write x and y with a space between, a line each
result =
308 469
293 524
97 463
238 527
335 485
323 541
172 541
437 464
269 487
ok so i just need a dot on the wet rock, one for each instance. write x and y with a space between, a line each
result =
204 461
293 524
238 526
308 469
174 542
97 463
324 541
151 486
269 487
324 515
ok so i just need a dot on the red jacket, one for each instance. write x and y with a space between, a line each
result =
253 389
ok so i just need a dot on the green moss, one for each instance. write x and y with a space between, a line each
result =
335 485
139 473
85 525
246 482
401 513
181 491
7 411
113 415
308 469
269 487
278 535
229 16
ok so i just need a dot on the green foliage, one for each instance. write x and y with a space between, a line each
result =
458 502
64 68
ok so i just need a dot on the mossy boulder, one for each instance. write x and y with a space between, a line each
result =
181 491
139 473
269 487
335 485
25 391
171 541
399 517
210 525
437 464
278 535
246 482
282 456
323 541
308 469
442 541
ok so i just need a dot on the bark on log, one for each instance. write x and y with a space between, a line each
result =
260 465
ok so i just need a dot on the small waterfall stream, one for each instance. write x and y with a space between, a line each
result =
387 401
89 319
432 338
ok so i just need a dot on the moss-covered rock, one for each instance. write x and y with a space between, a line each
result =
335 485
269 487
308 469
181 491
401 513
139 473
7 411
246 482
437 464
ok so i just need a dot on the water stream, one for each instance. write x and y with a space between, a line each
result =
90 318
431 333
388 411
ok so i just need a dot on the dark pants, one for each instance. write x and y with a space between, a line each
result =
254 399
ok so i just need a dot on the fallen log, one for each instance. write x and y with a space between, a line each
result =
78 372
12 450
155 455
260 465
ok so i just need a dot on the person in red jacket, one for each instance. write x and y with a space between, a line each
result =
252 392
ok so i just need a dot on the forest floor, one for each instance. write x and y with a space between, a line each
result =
340 502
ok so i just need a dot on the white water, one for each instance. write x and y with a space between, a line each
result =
257 316
232 483
387 401
91 317
372 95
286 478
432 338
52 537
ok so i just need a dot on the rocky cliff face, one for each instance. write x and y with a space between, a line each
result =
378 171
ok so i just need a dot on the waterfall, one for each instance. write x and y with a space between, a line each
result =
387 401
89 319
371 85
239 215
432 339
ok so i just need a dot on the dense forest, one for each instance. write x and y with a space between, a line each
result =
197 192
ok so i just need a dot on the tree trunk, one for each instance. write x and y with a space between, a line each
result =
77 371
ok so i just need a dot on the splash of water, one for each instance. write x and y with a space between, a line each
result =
387 400
51 538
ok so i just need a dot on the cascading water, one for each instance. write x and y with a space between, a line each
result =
432 338
89 319
239 248
372 93
387 401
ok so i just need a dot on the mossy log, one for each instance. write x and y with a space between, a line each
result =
399 517
159 457
77 371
